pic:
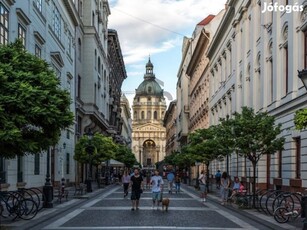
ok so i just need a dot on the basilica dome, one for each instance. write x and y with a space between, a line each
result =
149 86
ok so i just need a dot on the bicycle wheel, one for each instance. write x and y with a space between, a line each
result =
280 215
8 205
27 209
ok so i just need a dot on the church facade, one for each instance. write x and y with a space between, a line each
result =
148 132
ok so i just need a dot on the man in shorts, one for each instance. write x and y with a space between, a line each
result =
156 183
136 184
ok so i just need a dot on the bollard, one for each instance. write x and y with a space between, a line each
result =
62 185
304 211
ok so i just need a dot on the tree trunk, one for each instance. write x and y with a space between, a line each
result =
208 176
254 183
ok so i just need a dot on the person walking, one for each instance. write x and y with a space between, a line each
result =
177 183
136 184
126 181
218 179
156 183
202 185
170 179
225 183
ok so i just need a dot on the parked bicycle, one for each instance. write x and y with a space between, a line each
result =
288 212
15 205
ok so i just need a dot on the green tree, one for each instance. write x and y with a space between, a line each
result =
33 107
126 156
300 119
256 134
96 150
206 145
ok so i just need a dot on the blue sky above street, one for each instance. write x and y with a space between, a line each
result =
156 28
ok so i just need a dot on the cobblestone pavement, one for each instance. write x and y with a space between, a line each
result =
108 209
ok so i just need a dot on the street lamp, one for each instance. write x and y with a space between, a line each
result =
303 76
89 150
48 189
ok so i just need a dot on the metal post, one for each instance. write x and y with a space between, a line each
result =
48 189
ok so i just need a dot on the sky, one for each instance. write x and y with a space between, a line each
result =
156 28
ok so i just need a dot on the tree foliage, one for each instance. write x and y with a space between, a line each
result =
206 145
300 119
33 107
256 134
126 156
96 150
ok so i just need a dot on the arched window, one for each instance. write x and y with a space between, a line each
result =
143 115
135 115
155 115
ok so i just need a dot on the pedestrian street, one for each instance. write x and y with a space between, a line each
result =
111 210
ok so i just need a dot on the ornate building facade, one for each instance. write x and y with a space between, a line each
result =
126 128
170 125
117 76
148 133
73 36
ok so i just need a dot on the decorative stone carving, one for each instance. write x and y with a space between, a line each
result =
304 14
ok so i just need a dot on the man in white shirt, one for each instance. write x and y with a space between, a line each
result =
156 183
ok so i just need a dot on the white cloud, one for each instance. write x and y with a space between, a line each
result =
149 27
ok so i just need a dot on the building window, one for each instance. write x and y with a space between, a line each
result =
305 49
80 9
69 45
38 4
93 19
56 22
99 70
19 169
22 34
79 87
155 115
142 115
79 49
38 51
4 24
67 163
298 158
57 72
79 122
95 94
36 164
286 66
95 59
271 80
